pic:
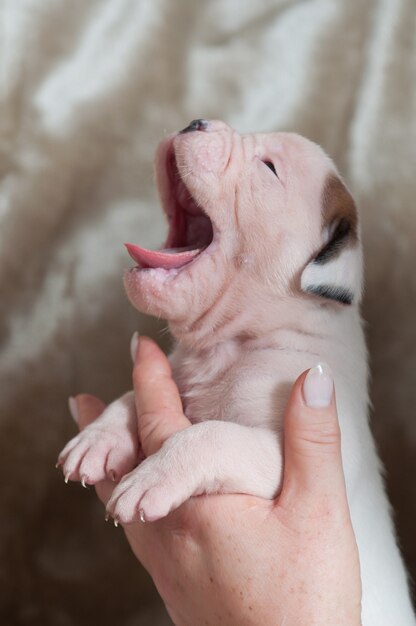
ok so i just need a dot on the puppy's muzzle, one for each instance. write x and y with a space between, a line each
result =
195 125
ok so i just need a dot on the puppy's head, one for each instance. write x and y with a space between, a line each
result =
252 219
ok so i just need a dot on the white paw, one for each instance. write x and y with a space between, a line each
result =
158 486
98 453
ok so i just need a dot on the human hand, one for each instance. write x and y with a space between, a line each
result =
238 559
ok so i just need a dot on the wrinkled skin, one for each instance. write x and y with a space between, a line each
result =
266 228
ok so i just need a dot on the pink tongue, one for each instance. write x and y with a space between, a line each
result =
160 258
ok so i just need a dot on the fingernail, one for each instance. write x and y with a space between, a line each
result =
133 345
318 386
73 409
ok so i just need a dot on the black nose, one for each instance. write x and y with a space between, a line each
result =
195 125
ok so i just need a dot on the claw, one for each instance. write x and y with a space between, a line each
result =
58 464
67 475
142 517
115 522
112 475
83 479
107 517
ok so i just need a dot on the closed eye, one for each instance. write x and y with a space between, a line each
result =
271 167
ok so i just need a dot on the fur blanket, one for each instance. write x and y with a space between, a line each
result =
87 90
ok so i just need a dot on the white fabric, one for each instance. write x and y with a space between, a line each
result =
87 88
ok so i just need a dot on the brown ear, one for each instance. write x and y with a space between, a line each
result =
335 271
339 215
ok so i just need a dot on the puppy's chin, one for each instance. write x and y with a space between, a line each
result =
153 291
181 297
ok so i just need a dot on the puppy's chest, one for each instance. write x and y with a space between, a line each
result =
228 387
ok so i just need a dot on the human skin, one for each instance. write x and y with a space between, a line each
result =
238 559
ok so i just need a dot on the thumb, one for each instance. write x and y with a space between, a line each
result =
158 403
313 473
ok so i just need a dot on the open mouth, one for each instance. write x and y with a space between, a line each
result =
190 228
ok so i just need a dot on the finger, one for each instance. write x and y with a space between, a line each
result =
104 490
85 409
158 403
313 473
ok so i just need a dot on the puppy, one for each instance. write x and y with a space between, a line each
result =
260 278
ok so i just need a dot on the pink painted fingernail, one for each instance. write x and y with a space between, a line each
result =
318 386
73 409
133 345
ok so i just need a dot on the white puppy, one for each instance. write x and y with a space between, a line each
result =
259 280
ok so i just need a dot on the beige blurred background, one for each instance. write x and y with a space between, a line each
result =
87 89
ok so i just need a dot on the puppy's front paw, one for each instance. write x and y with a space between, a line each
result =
158 486
98 453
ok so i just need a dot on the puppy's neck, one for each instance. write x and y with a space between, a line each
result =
257 322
